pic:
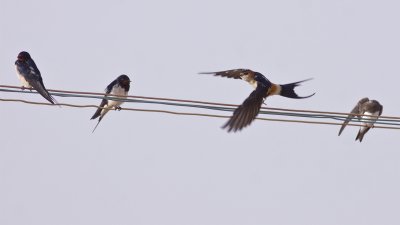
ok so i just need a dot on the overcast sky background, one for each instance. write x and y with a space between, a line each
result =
149 168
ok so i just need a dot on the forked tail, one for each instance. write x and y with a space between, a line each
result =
288 90
361 133
96 125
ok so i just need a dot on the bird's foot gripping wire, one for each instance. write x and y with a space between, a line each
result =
117 108
23 88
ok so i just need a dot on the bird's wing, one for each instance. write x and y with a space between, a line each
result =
35 80
39 87
104 101
98 111
248 110
356 110
110 86
235 74
362 107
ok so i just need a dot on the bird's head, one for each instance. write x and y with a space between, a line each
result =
24 56
124 80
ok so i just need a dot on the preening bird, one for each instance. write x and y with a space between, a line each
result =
119 86
368 111
263 88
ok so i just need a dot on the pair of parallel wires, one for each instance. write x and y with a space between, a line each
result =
181 106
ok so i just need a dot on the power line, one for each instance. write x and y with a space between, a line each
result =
388 122
187 114
110 96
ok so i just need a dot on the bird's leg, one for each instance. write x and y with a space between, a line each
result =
117 108
29 88
264 102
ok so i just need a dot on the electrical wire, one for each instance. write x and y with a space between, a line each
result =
188 114
79 93
388 122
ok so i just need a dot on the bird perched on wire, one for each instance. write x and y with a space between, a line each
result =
249 109
368 111
120 87
30 76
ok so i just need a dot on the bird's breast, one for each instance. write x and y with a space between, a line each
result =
370 118
24 82
117 90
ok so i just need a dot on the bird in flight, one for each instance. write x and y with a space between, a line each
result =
249 109
366 110
30 77
120 87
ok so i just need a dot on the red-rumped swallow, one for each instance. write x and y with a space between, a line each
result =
370 111
120 87
30 77
249 109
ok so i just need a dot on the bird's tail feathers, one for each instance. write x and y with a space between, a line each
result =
55 102
287 90
96 114
40 88
101 114
97 124
361 133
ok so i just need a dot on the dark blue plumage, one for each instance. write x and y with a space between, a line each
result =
245 114
120 87
30 76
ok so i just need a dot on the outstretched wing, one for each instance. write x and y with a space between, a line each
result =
356 110
235 74
248 110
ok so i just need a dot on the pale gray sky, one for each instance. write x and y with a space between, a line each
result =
147 168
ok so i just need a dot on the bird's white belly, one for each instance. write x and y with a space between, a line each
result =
112 103
370 118
110 106
116 91
23 81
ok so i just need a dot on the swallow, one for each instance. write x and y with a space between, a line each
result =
245 114
30 77
370 111
120 87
